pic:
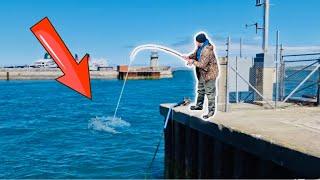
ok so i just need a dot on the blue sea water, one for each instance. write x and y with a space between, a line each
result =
310 87
49 131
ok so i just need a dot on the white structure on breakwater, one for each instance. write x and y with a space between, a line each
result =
47 62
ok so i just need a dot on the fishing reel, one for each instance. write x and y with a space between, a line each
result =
186 101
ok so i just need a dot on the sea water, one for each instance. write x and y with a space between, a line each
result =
49 131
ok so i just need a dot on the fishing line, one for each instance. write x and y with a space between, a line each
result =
133 54
132 58
170 113
121 92
185 102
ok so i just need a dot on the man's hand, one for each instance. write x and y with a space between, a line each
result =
190 62
186 58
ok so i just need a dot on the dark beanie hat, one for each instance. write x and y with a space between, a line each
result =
201 38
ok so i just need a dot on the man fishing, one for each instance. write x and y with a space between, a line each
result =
207 71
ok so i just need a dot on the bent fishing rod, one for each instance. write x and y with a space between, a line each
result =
133 53
156 47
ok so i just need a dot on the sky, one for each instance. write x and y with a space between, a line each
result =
110 29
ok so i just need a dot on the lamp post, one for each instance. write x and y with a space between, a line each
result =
265 27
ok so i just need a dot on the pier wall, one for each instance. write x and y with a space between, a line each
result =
166 73
138 72
147 72
43 74
199 149
139 75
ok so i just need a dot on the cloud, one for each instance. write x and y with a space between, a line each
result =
299 49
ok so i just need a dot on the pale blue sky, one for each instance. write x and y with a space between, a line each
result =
110 29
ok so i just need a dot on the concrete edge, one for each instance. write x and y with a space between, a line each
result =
283 156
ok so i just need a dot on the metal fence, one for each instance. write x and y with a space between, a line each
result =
295 79
244 82
239 89
299 80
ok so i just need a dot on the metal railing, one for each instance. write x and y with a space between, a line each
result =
300 82
297 79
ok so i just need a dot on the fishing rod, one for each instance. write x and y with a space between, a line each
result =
154 47
133 54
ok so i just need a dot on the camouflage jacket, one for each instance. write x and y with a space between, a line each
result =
207 67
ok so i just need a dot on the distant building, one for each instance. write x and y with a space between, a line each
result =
94 65
98 64
46 62
107 68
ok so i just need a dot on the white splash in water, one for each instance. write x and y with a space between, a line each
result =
107 124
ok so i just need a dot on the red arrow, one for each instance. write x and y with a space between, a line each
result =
76 75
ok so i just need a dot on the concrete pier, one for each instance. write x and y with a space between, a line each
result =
136 72
53 73
247 142
50 73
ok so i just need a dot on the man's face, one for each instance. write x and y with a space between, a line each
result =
198 44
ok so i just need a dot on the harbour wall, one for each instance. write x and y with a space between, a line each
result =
144 72
44 74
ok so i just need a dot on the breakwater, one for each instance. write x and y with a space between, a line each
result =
53 73
248 142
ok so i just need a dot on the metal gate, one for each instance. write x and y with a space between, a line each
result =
299 78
